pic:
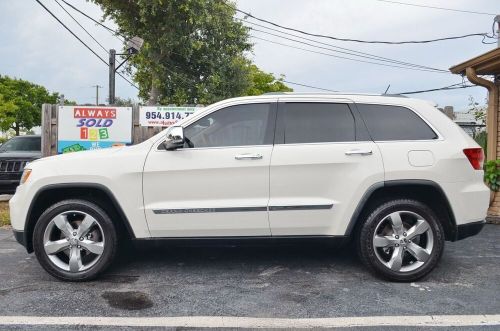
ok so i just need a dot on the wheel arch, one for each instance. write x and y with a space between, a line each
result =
426 191
93 192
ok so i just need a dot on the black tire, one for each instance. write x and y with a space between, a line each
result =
366 249
105 223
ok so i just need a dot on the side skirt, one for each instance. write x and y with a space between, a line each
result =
243 241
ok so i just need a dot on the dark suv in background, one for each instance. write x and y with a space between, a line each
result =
14 154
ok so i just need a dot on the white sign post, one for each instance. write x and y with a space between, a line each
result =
163 116
85 127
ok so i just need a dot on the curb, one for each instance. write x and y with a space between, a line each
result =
493 220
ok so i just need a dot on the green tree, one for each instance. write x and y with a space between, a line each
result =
21 104
193 50
124 102
263 82
479 111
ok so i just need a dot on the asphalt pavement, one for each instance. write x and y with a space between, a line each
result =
290 282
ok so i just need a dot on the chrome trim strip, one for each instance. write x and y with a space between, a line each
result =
238 209
207 210
300 207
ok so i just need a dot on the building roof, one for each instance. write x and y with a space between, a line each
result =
485 64
464 117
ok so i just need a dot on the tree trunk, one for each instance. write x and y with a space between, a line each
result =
16 129
154 93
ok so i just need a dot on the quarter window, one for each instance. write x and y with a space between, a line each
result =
318 122
394 123
240 125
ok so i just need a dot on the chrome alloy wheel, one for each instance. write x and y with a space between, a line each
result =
403 241
74 241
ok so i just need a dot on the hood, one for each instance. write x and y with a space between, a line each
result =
20 155
91 166
85 154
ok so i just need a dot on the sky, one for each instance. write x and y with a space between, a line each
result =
35 47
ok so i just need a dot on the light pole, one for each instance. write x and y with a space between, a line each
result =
133 47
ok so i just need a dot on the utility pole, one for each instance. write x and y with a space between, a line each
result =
97 87
133 47
112 62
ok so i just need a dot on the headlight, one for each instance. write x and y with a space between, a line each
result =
26 174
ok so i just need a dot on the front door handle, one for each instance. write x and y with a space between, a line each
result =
358 152
248 157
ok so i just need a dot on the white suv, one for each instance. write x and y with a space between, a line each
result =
393 173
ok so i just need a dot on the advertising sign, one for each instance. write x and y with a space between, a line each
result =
163 116
85 127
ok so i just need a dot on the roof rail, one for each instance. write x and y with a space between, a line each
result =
336 93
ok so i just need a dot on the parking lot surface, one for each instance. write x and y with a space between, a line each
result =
293 281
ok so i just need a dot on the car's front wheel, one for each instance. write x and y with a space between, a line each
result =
401 240
74 240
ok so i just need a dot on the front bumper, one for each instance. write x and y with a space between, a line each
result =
9 181
469 229
20 237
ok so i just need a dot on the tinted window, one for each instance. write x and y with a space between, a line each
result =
394 123
240 125
318 122
22 144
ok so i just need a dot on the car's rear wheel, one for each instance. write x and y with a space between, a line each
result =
74 240
401 240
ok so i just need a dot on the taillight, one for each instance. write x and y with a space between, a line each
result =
475 156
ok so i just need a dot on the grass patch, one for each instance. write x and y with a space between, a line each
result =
4 214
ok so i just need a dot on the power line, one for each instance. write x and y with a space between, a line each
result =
128 81
359 40
440 8
305 85
310 86
335 48
74 35
74 19
343 57
409 67
451 87
81 41
114 32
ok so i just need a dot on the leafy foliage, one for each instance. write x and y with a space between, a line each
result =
122 102
21 104
193 50
4 214
479 111
492 174
263 82
482 139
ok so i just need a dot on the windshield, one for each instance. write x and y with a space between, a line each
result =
22 144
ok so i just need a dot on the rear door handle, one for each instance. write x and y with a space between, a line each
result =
358 152
248 157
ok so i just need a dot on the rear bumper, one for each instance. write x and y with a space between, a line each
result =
469 229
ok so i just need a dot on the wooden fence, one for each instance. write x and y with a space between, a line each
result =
49 129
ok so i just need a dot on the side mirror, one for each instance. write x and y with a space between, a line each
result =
174 139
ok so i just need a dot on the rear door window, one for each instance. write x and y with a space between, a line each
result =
318 122
386 123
